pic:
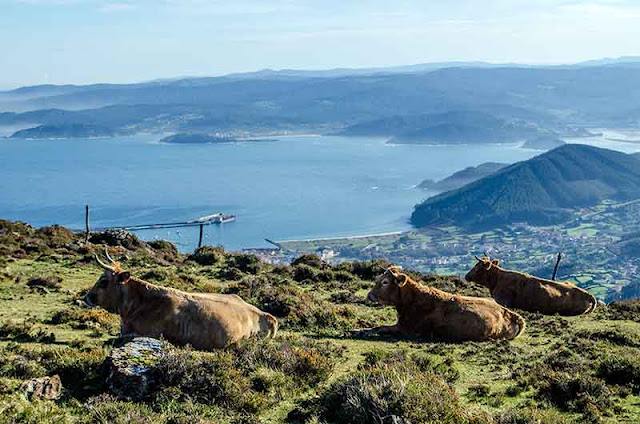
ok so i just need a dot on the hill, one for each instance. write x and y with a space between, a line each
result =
452 127
64 131
462 178
540 191
573 370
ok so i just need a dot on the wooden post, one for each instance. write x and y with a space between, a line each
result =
86 223
200 238
555 270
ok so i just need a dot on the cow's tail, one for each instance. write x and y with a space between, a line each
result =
593 306
520 323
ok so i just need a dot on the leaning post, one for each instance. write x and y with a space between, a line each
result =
86 224
200 238
555 269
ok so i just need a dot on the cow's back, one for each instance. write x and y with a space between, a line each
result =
529 293
459 318
205 321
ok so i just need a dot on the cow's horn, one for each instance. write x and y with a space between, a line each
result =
477 258
103 265
106 252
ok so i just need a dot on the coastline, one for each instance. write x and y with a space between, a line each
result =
352 237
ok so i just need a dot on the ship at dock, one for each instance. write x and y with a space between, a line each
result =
216 218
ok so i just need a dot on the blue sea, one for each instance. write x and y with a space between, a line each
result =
296 187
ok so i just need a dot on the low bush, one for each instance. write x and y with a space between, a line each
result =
313 261
208 378
49 282
208 256
376 395
24 331
622 371
83 319
617 336
575 392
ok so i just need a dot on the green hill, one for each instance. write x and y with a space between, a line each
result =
542 190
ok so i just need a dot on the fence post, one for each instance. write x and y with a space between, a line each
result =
86 224
200 238
555 270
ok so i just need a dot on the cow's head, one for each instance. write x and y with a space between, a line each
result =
388 286
106 291
480 273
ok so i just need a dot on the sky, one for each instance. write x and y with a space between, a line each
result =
87 41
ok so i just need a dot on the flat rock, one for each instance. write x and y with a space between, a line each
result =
132 367
43 388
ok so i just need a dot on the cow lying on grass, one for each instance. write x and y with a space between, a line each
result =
522 291
427 312
205 321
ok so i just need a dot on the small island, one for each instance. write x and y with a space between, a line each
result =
64 131
543 142
198 138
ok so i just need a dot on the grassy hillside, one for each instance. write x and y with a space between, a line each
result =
542 190
562 370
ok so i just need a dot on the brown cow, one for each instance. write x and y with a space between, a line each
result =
522 291
428 312
203 320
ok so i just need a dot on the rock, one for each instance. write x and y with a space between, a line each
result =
43 388
131 367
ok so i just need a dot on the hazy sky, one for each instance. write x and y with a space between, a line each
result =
83 41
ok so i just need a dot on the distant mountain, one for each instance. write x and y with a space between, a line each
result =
543 142
462 178
64 131
491 102
540 191
454 127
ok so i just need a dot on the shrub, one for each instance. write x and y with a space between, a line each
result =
305 361
249 264
24 331
83 319
575 392
444 369
49 282
56 236
621 310
614 335
313 261
621 370
208 256
209 379
372 396
302 272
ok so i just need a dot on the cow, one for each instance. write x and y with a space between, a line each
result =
522 291
428 312
205 321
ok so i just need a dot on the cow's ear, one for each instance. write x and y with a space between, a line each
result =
401 280
123 277
496 262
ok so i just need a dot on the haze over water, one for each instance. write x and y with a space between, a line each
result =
292 188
